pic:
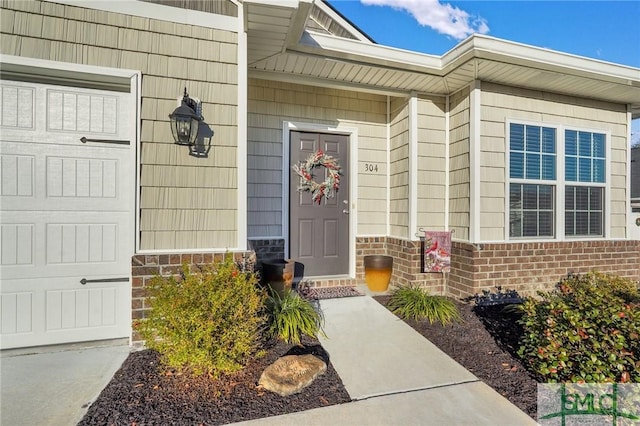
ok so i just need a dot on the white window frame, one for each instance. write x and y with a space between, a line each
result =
560 183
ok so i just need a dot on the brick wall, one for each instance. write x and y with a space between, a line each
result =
527 267
407 262
145 267
524 267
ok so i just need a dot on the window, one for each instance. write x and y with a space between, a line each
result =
585 166
532 169
534 188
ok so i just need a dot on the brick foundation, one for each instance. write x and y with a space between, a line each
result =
524 267
267 249
528 267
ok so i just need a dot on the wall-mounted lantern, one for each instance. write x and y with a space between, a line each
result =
185 121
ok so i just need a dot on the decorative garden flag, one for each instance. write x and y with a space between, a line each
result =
437 252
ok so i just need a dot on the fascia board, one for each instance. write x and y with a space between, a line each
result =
372 54
289 4
476 46
521 54
296 28
344 23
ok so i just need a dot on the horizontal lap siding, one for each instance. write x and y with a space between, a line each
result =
399 173
459 172
431 164
501 103
186 202
270 104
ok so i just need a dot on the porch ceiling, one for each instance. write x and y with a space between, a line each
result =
280 49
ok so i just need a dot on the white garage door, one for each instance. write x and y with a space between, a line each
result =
66 229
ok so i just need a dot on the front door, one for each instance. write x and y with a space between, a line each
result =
319 234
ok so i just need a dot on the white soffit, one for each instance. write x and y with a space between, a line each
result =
348 26
326 57
267 29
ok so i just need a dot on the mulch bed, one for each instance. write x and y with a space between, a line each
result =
485 343
141 393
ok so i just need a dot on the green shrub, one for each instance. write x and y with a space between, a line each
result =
586 330
413 302
209 321
291 316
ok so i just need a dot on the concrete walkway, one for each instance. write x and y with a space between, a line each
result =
396 376
56 385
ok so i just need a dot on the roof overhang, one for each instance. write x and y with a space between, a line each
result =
326 60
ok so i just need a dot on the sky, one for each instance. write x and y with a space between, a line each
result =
606 30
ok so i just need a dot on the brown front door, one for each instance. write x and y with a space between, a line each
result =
319 234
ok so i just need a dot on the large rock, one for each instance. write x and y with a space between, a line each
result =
292 373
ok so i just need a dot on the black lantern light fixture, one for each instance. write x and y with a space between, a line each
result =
185 121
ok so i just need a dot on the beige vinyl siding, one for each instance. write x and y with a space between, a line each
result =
399 173
459 171
185 202
502 103
431 164
270 105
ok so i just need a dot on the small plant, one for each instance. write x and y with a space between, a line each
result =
291 316
586 330
499 297
206 322
413 302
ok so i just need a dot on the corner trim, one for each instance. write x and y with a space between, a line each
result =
475 105
413 167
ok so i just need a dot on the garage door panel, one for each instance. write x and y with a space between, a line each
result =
16 244
66 235
40 244
63 311
72 308
17 175
16 311
18 106
73 111
64 178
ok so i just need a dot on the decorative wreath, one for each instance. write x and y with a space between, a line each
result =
326 189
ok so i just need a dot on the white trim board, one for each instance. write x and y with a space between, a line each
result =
242 142
159 12
413 166
475 106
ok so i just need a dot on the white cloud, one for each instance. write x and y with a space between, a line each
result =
442 17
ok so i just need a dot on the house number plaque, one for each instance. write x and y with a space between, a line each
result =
371 168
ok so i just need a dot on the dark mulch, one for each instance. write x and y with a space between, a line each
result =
140 394
485 343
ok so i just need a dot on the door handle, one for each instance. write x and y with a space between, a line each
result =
345 211
104 280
